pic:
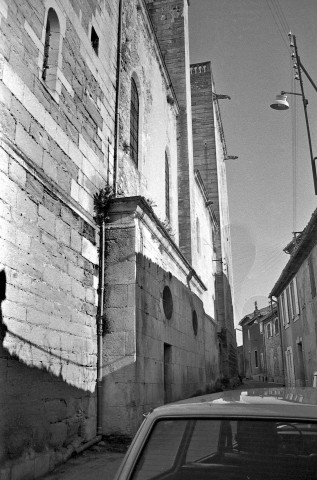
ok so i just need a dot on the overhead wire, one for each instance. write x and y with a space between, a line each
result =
294 152
281 16
279 20
284 29
267 264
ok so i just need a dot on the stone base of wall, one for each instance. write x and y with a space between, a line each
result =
155 350
34 466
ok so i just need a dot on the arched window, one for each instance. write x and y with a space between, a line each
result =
198 234
167 188
268 330
51 49
134 123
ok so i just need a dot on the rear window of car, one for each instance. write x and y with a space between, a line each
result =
190 449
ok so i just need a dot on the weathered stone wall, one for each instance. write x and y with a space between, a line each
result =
204 131
273 353
226 252
142 61
205 253
170 21
56 151
253 342
301 334
192 367
224 218
209 149
139 329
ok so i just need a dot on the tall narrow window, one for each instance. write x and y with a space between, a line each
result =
134 123
94 40
312 276
289 302
296 297
198 234
167 188
276 326
51 49
281 309
256 358
286 308
46 49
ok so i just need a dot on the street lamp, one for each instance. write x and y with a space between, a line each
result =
281 103
219 96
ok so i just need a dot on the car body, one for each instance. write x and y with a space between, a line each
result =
268 433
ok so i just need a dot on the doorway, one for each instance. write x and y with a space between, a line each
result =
290 367
167 373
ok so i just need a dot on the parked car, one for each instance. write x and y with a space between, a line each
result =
258 434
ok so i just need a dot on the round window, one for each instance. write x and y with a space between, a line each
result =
167 302
195 322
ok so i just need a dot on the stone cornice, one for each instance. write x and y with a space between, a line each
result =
159 54
136 207
203 191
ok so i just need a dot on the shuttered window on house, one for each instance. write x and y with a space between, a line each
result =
312 276
294 297
281 309
276 326
289 303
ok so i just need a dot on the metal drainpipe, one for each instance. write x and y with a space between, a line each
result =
102 238
118 86
100 325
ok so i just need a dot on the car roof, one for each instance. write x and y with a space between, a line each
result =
281 402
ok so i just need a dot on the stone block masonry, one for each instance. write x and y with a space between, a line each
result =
52 162
49 316
138 332
205 159
170 23
209 151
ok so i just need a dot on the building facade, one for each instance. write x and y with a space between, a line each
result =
253 344
113 298
273 358
57 101
209 154
295 292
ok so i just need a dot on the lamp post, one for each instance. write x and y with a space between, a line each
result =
281 100
219 96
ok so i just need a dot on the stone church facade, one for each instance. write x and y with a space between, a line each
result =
104 317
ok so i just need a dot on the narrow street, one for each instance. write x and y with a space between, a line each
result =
97 463
100 463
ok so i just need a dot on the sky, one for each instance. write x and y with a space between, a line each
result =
270 185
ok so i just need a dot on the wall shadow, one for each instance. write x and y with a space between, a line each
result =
43 418
160 345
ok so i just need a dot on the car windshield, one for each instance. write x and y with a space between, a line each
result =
231 449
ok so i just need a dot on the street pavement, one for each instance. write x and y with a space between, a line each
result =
100 463
96 463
